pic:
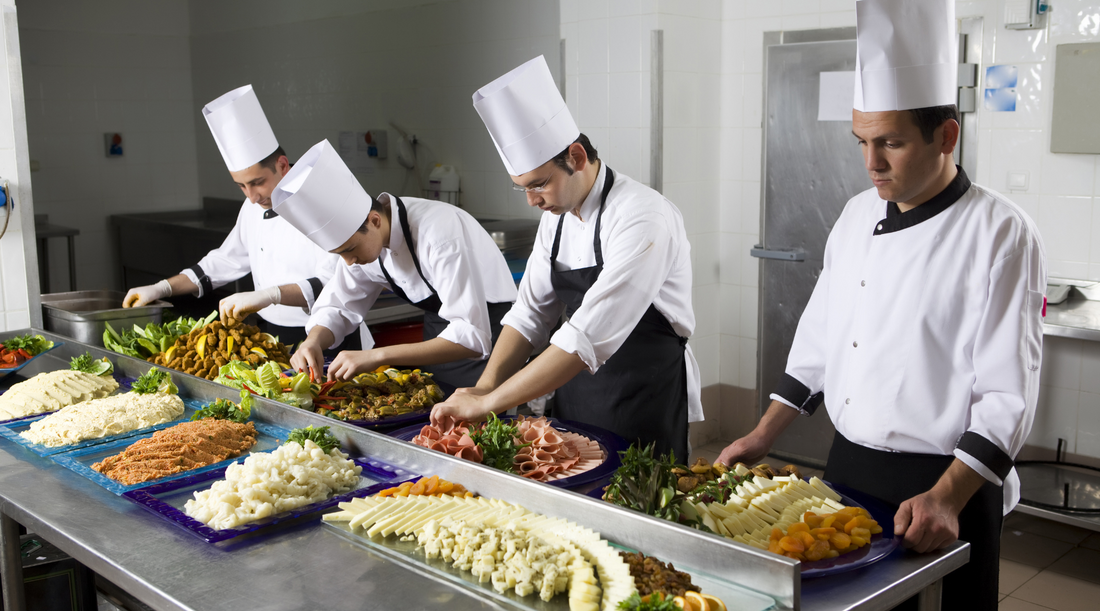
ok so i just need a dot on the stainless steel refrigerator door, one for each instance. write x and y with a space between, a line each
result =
811 168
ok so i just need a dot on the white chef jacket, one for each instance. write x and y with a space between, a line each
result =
457 257
646 260
925 329
276 253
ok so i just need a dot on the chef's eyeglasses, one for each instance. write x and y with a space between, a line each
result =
538 189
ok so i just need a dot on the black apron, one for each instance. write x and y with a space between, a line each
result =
457 374
641 391
894 477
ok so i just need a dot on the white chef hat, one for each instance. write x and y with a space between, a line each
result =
240 128
906 54
321 198
526 116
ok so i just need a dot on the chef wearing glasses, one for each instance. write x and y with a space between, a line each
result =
612 256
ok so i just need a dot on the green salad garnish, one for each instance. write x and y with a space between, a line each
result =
224 409
86 363
154 380
31 344
320 436
497 440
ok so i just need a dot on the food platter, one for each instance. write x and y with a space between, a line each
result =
81 461
407 553
12 429
10 370
609 442
166 500
880 546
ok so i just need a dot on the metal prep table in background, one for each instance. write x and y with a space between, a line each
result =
308 565
1075 318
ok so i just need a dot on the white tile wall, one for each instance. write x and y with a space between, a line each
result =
1062 194
115 66
357 66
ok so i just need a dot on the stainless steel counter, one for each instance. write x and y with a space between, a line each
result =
1076 318
307 566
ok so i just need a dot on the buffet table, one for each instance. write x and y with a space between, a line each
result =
306 565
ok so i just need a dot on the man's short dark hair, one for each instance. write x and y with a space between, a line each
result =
589 151
380 208
930 118
272 160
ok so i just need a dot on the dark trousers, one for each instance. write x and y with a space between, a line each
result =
895 477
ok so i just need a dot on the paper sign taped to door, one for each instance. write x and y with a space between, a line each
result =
836 92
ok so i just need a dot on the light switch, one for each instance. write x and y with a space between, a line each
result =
1017 181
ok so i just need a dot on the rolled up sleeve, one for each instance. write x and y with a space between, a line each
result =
638 257
462 295
1007 356
344 302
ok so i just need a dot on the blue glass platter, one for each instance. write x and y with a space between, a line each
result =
12 431
880 547
166 500
611 444
81 461
10 370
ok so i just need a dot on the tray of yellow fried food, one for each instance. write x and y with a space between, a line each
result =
204 350
383 398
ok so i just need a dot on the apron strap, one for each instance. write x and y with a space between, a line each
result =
608 182
403 214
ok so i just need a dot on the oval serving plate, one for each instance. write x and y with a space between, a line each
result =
611 444
881 544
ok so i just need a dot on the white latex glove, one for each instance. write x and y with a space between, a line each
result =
142 295
242 304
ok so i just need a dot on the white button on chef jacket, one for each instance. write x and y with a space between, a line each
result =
647 260
949 323
276 254
458 258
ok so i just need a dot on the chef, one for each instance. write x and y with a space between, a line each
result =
924 330
288 270
612 255
431 254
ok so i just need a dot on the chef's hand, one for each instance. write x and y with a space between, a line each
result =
750 449
351 363
240 305
308 358
460 406
927 522
930 521
142 295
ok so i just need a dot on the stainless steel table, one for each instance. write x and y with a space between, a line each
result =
308 566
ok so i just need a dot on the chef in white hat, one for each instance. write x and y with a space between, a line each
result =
287 269
924 331
612 255
431 254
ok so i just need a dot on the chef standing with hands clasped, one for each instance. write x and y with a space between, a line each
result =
612 255
924 331
433 255
288 270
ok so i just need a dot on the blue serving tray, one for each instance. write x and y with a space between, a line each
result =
611 443
166 500
81 461
6 372
12 430
880 546
123 386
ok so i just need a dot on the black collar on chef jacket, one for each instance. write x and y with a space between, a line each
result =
270 214
896 220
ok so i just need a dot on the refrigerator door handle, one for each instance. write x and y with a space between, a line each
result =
760 252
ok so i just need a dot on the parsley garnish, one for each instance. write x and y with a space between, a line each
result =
322 437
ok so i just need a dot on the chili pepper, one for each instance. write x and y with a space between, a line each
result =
324 406
24 354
